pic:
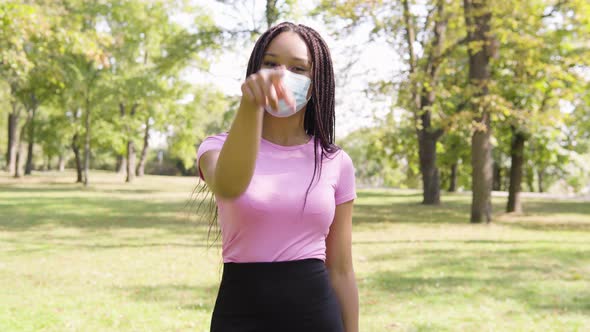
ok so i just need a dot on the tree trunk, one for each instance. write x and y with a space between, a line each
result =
17 161
29 164
130 144
11 152
61 163
481 160
477 18
47 161
497 185
530 178
517 159
87 141
540 178
430 173
122 158
130 161
424 98
121 164
76 149
78 159
144 150
272 12
19 151
453 180
506 182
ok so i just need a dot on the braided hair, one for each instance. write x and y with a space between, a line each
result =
319 120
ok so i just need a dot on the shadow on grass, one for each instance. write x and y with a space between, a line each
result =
467 242
538 278
543 207
551 226
97 214
180 296
411 212
394 207
369 193
47 246
74 187
551 216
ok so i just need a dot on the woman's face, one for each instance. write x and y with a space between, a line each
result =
290 50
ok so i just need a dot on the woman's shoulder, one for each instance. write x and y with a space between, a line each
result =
345 160
338 154
212 142
220 137
338 158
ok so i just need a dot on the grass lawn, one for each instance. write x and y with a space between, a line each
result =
116 257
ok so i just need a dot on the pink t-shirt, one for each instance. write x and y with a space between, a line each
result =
267 222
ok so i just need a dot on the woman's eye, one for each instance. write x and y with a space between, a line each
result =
300 69
269 64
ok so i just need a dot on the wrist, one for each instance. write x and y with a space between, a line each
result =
250 107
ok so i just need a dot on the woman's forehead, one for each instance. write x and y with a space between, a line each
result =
290 45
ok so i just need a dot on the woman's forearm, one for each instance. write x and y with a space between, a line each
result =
237 158
344 285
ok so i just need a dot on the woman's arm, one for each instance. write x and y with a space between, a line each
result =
228 172
339 264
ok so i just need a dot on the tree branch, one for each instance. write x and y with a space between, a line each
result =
555 8
437 60
410 35
427 23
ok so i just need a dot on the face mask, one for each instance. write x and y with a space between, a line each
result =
298 85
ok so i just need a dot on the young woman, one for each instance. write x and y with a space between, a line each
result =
284 192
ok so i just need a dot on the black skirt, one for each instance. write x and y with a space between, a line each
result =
278 296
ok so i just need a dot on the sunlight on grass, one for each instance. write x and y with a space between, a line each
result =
120 257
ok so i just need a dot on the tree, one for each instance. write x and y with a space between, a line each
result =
15 20
536 71
208 112
478 16
55 142
146 61
423 96
454 150
40 84
430 42
388 152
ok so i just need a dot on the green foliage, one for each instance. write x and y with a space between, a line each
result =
539 63
103 56
18 24
80 57
455 148
205 115
385 155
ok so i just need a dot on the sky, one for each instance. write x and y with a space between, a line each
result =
354 109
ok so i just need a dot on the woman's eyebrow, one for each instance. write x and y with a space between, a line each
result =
305 60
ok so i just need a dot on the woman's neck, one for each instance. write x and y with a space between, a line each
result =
284 131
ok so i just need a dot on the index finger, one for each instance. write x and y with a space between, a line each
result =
276 79
276 74
285 94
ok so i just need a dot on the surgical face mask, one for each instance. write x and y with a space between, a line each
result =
298 85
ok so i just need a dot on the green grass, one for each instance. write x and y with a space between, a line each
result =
116 257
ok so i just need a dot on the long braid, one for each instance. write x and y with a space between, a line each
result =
320 115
